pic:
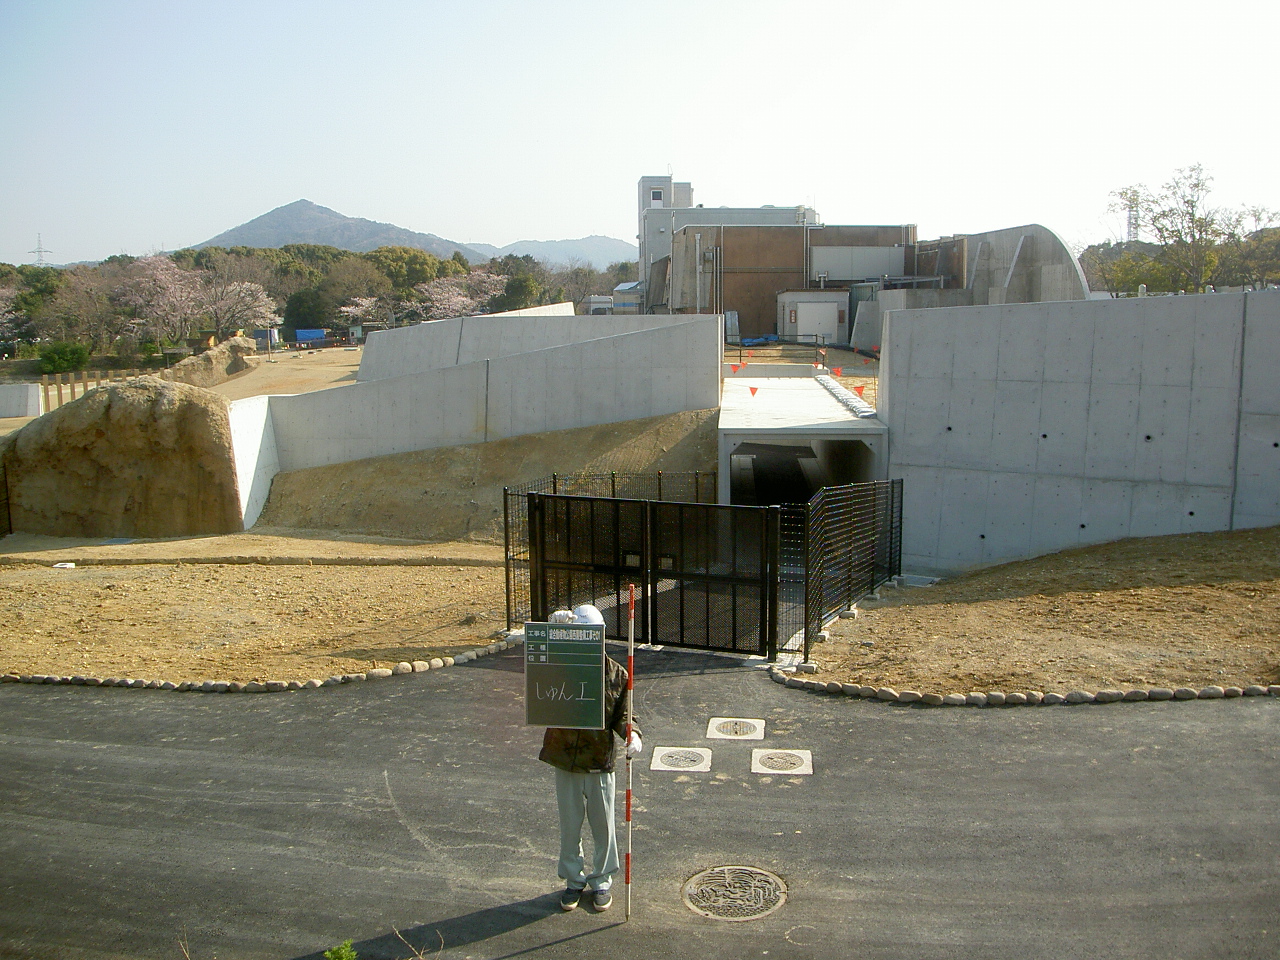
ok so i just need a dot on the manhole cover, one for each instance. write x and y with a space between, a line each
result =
735 728
734 893
781 761
681 758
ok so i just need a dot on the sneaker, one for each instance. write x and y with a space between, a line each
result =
569 899
601 900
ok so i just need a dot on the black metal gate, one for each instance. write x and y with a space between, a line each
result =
755 580
705 574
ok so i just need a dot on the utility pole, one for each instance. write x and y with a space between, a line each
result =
40 251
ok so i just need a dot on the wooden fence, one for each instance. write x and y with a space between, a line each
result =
60 388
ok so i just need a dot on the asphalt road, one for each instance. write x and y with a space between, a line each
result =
276 826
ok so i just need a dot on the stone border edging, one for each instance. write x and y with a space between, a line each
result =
1030 698
266 686
243 560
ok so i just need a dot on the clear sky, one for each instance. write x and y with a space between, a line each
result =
132 126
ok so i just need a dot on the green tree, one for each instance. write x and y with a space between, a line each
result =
63 357
519 292
461 261
1179 219
310 309
405 267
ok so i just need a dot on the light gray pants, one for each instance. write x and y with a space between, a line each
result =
589 795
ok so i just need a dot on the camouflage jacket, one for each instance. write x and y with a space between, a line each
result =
592 751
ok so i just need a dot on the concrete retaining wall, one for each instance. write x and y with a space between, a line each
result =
253 446
406 351
1024 429
20 400
647 373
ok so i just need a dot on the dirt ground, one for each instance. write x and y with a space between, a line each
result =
293 371
354 606
1187 610
1170 611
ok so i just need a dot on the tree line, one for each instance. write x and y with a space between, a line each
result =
1193 246
133 306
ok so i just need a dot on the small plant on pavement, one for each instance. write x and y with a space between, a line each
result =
343 951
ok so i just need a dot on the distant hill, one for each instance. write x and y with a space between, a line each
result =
597 251
305 222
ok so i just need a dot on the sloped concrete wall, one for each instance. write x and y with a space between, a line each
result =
642 374
20 400
443 343
1024 429
253 448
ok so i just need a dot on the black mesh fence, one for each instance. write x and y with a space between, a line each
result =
854 544
695 487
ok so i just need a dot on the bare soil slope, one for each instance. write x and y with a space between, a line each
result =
453 493
1163 611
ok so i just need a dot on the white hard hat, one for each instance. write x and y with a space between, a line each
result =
587 613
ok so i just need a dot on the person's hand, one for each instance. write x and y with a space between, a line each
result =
634 746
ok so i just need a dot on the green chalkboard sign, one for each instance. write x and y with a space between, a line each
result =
564 675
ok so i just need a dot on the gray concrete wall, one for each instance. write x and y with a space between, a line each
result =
20 400
1026 264
436 344
253 448
646 373
869 316
1021 430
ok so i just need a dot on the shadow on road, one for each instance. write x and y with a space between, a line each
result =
430 939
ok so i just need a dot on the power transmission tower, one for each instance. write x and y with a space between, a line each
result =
40 251
1133 222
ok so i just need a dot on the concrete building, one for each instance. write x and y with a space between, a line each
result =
745 268
666 207
1027 264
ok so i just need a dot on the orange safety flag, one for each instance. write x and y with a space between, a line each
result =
735 367
751 353
753 390
859 388
838 371
816 365
865 362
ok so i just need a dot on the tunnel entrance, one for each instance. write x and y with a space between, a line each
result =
774 474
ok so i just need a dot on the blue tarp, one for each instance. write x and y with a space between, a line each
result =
756 341
304 335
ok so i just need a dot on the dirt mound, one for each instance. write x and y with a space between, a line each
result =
146 458
212 367
454 493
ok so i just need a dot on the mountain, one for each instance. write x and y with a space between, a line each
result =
305 222
597 251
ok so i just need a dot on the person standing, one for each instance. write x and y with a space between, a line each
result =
584 772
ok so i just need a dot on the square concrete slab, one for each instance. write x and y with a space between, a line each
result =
734 728
785 762
681 759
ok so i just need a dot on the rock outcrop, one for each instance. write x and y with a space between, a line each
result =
216 364
147 458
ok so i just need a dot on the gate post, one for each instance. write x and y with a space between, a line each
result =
506 545
771 548
537 549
